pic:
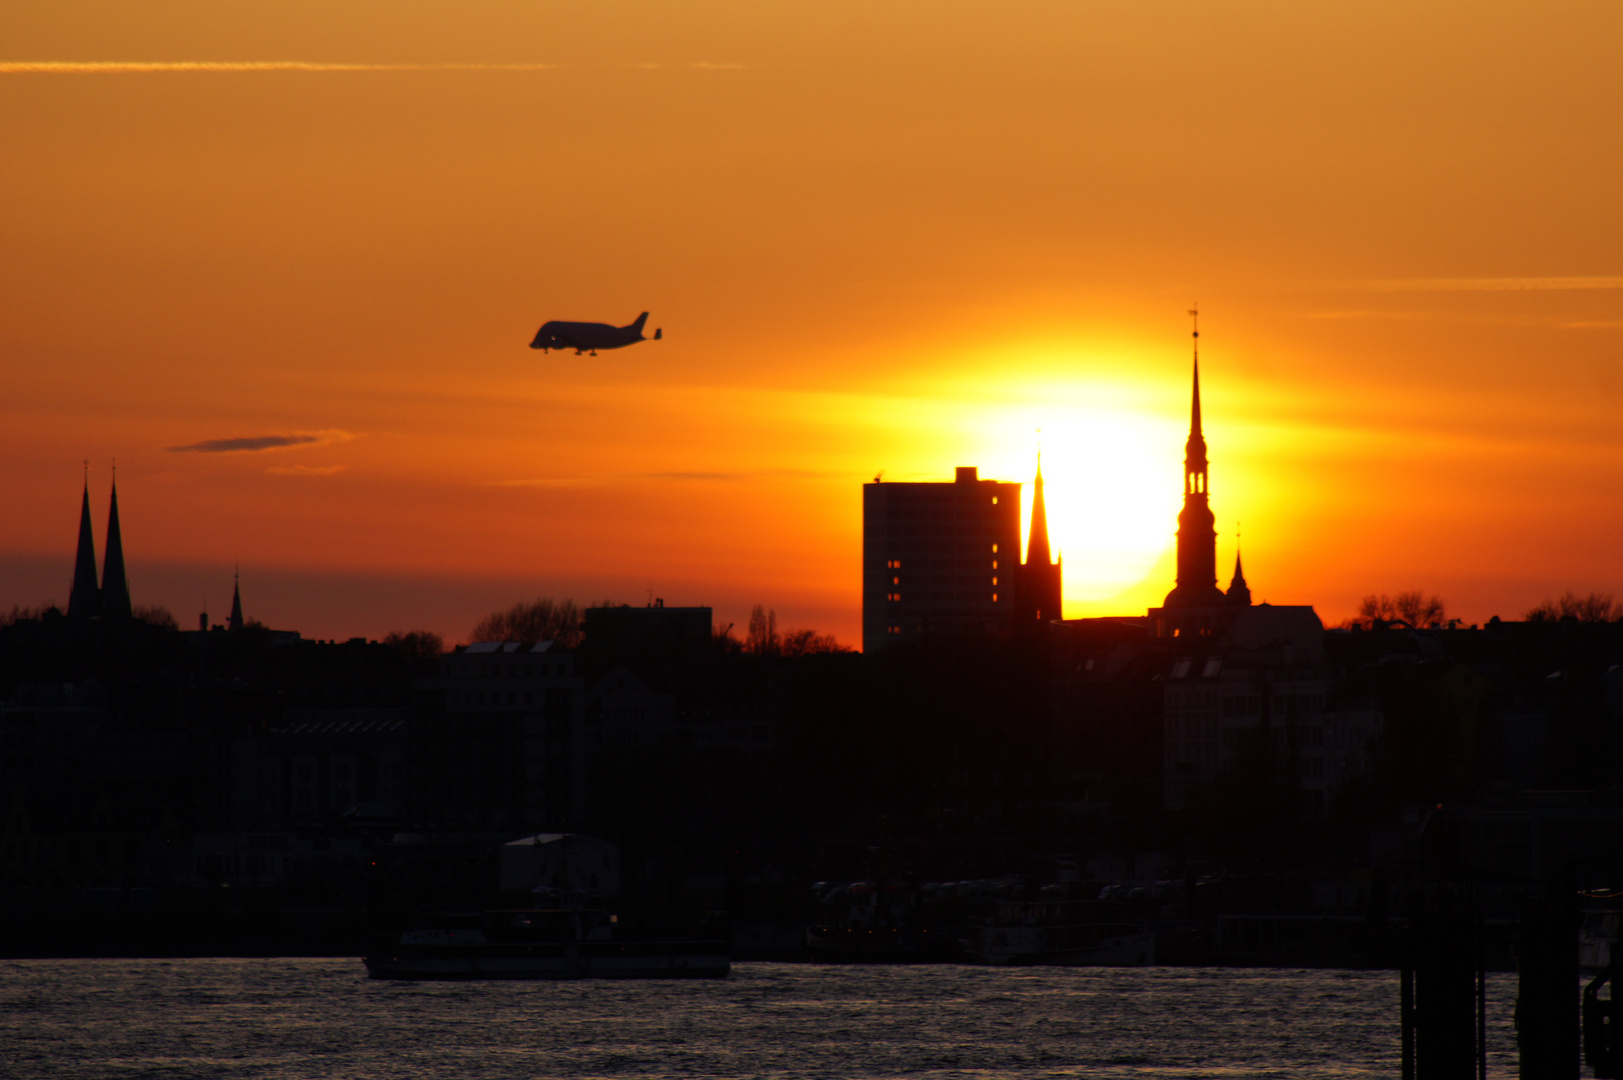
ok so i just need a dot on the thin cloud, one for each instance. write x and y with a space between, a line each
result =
1361 315
703 477
248 444
1517 284
705 65
1593 324
304 470
137 67
737 477
695 476
544 482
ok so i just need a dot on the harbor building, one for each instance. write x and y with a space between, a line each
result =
939 558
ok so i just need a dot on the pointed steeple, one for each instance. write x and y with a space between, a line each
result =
1037 544
85 600
1194 450
1038 584
115 588
1239 593
236 603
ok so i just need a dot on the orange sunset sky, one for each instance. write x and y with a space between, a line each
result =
898 236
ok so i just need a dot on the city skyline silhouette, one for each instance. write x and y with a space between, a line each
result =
285 273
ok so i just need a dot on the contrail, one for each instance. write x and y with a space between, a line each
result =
121 67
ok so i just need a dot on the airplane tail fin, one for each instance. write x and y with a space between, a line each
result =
658 334
637 326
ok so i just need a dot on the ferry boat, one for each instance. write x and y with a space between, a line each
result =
1598 935
568 943
1069 933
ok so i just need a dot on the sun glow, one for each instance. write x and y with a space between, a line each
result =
1111 456
1109 483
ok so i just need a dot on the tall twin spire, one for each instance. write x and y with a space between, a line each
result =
112 597
85 599
115 588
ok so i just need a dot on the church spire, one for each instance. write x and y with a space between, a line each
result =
1038 580
115 588
236 602
1239 593
1037 543
85 599
1197 532
1194 450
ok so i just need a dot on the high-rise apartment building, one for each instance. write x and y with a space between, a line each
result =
938 558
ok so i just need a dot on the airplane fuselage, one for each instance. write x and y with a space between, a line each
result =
589 337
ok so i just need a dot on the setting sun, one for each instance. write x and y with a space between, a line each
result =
318 254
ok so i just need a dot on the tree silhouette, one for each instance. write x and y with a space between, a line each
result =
809 643
763 632
156 615
1414 609
18 613
1596 607
417 644
538 620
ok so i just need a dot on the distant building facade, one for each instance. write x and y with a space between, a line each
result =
1263 689
939 558
509 749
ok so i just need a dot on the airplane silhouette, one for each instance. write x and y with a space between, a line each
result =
590 336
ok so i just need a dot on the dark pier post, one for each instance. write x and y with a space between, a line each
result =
1442 985
1547 995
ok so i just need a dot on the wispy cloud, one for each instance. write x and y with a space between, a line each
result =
544 482
704 477
686 477
247 444
1333 315
1515 284
304 470
1593 324
137 67
698 65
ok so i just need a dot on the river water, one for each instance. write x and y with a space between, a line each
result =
310 1018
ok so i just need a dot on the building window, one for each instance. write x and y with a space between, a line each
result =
994 549
994 598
